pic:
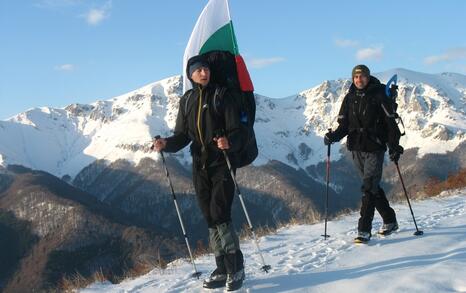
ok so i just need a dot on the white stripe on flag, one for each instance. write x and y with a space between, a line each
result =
214 16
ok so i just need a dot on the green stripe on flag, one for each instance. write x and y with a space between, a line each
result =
223 39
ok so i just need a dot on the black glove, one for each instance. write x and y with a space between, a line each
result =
328 139
395 153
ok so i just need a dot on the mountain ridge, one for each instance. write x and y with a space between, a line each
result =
288 129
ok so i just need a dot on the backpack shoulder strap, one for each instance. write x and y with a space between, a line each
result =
217 100
386 103
186 102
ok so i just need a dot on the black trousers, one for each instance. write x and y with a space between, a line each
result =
215 191
369 165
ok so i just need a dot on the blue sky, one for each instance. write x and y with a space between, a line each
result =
58 52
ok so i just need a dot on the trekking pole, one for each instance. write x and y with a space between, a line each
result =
196 273
418 232
265 267
328 181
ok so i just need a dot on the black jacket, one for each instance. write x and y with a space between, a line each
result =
202 132
367 117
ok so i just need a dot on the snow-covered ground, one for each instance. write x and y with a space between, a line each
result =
302 261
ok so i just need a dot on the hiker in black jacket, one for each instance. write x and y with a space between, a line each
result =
199 124
367 118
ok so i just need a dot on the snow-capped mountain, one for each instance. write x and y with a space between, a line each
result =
63 141
290 130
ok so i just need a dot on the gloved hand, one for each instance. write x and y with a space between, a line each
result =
395 153
328 138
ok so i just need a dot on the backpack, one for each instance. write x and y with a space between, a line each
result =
222 66
391 91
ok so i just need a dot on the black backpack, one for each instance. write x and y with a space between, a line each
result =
391 91
224 74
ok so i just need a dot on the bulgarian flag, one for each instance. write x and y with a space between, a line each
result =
214 31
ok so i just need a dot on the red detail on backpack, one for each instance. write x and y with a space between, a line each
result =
243 75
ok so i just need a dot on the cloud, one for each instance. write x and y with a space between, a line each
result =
344 43
96 15
369 54
362 53
93 16
450 55
264 62
57 3
65 67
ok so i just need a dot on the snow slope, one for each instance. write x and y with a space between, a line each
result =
302 261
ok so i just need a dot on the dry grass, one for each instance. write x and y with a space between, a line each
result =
434 186
201 249
144 265
137 270
150 261
70 284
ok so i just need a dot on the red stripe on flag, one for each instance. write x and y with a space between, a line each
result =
243 75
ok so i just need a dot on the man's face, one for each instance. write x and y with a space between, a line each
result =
201 75
360 80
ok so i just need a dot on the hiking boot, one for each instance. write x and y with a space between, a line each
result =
387 229
217 279
234 264
363 237
235 281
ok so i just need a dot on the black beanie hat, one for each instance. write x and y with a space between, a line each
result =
362 69
195 63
